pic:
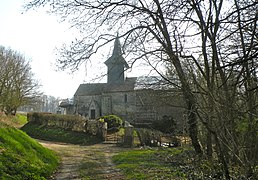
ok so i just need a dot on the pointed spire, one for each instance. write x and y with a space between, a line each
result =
117 51
116 64
116 57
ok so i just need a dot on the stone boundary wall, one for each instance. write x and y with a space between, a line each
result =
69 122
96 128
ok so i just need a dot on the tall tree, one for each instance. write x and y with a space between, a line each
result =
17 86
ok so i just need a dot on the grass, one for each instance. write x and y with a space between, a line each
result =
21 119
166 163
13 121
58 134
148 164
171 163
23 158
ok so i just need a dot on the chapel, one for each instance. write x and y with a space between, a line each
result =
138 100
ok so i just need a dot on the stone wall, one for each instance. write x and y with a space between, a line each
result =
122 104
152 105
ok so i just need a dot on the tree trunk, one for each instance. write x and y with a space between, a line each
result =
209 145
222 158
188 96
190 103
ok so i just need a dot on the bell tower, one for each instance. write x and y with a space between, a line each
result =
116 65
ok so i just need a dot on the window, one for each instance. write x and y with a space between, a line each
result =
125 98
92 114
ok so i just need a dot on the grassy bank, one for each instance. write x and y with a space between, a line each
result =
150 164
57 134
13 121
171 163
23 158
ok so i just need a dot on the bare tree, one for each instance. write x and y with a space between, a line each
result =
17 86
225 67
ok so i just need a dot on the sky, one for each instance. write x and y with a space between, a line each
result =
36 34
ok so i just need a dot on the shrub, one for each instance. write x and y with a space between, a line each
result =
113 122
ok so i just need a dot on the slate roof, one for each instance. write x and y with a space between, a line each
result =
130 84
99 88
90 89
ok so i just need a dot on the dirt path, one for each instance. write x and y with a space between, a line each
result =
85 162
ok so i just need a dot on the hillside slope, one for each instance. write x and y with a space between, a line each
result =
21 157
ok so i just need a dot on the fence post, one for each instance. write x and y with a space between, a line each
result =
101 130
104 131
128 138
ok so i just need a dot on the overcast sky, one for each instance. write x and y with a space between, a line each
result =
37 34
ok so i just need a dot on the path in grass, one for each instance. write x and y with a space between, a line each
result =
85 162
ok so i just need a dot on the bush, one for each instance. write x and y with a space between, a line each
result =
113 122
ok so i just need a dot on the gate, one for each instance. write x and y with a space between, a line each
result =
113 138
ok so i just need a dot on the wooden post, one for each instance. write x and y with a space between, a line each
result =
129 138
104 131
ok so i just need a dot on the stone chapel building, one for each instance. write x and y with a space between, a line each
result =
138 100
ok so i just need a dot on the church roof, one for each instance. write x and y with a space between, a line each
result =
90 89
99 88
130 84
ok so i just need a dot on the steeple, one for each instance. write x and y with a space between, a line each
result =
117 47
116 64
